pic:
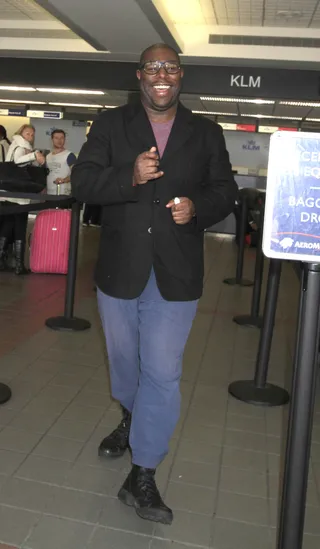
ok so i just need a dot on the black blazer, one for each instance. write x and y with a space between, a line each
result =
138 231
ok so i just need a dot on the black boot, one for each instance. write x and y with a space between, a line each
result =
115 444
4 243
19 247
140 491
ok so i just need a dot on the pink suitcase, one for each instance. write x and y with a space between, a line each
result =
50 242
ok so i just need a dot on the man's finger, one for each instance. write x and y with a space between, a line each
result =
156 175
149 162
152 153
179 217
150 169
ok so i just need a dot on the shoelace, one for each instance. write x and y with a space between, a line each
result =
122 431
147 485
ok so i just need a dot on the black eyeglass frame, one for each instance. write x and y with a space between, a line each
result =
160 64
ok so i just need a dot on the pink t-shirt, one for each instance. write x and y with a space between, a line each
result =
161 132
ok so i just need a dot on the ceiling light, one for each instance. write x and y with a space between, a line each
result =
17 88
289 13
270 116
312 119
216 113
238 100
299 104
71 91
83 105
23 101
110 106
181 12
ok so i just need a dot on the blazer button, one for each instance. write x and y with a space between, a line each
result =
150 230
156 201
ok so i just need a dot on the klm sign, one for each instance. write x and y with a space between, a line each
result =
241 81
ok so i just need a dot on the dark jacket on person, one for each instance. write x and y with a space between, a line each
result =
138 231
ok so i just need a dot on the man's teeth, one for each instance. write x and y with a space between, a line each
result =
162 87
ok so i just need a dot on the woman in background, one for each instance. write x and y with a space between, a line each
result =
22 153
4 143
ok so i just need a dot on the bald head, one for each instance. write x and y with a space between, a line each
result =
155 47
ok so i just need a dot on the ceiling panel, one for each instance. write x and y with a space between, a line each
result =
247 108
23 10
268 13
284 110
315 21
220 106
239 12
208 12
193 104
314 113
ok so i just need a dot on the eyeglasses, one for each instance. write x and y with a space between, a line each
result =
153 67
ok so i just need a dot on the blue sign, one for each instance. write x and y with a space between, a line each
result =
292 215
51 114
16 112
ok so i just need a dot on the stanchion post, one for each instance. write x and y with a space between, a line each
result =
253 320
238 280
258 391
258 275
5 393
68 322
72 260
295 480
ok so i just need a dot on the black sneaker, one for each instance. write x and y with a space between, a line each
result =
140 491
115 444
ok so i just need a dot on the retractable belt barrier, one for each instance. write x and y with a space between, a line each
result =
292 233
258 391
66 322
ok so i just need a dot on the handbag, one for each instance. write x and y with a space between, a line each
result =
26 179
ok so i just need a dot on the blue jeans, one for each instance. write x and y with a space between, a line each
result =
145 338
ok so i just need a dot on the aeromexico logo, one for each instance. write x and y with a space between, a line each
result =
251 145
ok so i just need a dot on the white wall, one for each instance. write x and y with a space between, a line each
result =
76 135
248 150
13 123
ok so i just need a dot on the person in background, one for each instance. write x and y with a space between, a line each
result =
14 227
92 215
162 175
59 162
4 144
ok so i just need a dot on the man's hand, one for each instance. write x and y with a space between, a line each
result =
146 167
58 181
183 212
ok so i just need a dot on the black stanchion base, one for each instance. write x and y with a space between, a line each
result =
270 395
5 393
236 282
63 324
248 320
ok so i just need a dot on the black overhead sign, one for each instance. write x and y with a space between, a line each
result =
253 82
198 79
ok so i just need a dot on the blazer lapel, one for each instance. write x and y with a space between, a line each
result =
181 131
139 129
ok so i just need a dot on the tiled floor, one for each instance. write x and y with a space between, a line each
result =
222 474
